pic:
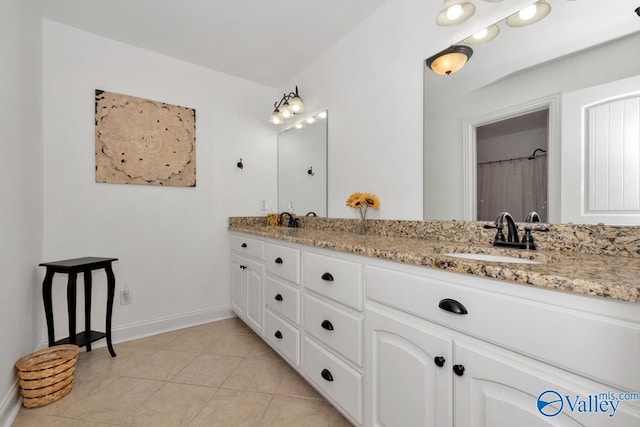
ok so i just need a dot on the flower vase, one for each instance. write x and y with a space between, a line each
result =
363 226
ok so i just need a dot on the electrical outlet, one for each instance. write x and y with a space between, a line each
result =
263 205
126 295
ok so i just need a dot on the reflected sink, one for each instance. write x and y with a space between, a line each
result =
492 258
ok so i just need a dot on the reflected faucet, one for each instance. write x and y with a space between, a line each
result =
532 217
312 213
293 221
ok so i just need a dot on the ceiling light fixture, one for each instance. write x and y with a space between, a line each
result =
529 15
290 105
455 12
449 60
483 36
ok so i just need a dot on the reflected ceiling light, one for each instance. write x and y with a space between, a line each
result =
454 12
449 60
529 15
290 105
483 36
322 115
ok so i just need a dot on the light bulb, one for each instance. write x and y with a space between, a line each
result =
454 12
480 34
285 111
528 12
323 115
311 120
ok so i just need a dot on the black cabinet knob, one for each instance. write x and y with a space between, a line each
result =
327 325
278 260
244 245
243 267
439 361
326 375
458 370
452 306
278 335
278 297
328 277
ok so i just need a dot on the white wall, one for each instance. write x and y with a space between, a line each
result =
171 242
20 191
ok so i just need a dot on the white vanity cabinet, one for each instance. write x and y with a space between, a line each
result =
247 279
501 346
391 344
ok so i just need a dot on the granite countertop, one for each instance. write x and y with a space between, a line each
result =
608 276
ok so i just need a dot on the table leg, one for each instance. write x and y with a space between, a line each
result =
71 306
87 306
48 304
111 290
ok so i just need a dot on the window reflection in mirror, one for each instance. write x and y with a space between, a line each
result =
302 167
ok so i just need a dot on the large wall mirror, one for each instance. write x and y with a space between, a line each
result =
302 167
517 113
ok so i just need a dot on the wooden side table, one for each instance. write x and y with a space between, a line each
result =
72 267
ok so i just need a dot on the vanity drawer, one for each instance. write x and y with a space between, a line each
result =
282 336
577 340
340 382
283 299
334 278
335 327
283 261
247 246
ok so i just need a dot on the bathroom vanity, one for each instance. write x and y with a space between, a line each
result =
395 332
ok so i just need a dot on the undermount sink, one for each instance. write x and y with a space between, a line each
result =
492 258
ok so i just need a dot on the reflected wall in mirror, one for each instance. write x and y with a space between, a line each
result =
302 167
457 106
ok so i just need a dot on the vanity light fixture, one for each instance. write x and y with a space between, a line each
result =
450 60
529 15
455 12
483 36
290 105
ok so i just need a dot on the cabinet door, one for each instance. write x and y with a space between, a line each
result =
405 386
255 299
499 388
238 286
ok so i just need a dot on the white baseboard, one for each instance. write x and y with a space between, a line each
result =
10 404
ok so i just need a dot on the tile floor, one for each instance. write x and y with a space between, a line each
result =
217 374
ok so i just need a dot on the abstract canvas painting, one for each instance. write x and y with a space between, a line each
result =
140 141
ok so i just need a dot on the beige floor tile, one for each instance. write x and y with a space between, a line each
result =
293 384
261 375
157 341
285 411
235 325
261 350
234 344
195 340
173 405
208 370
161 365
27 419
233 408
110 400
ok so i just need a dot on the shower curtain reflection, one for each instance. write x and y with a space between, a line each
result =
522 185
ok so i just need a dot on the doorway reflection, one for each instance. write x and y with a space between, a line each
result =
512 166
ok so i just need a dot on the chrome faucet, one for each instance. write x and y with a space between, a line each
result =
512 230
512 239
293 221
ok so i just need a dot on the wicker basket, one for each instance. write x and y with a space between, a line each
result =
46 375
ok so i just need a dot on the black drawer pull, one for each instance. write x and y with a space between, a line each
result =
244 245
439 361
452 306
278 297
458 370
328 277
326 375
327 325
278 335
278 260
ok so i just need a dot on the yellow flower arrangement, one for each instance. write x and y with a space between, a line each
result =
362 202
